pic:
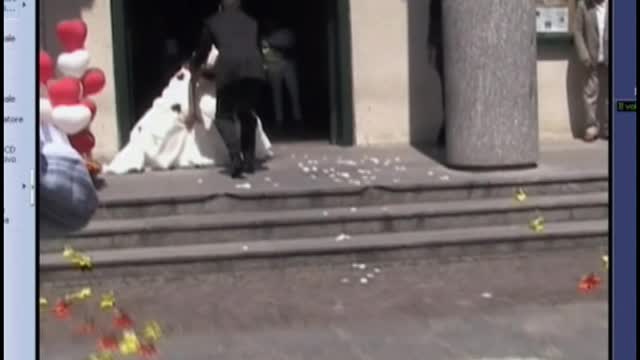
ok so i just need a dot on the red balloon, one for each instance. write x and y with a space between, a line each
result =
72 34
65 92
83 142
92 106
93 82
46 67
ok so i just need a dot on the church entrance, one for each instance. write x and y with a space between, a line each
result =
152 38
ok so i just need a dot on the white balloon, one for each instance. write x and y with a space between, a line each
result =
74 64
71 119
46 112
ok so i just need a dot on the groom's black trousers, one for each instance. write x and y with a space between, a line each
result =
237 103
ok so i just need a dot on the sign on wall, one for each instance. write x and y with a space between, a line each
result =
554 16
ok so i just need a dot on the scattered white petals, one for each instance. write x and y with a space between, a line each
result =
245 248
353 209
276 185
345 280
305 169
376 270
245 186
200 181
342 237
267 179
362 266
325 213
397 159
364 281
444 177
395 181
430 173
355 265
375 161
487 295
370 275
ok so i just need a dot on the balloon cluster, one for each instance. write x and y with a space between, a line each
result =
65 101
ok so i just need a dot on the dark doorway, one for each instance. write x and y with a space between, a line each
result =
161 35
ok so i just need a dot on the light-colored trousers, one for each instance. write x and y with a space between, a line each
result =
596 98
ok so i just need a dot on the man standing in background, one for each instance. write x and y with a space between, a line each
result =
238 75
592 43
278 46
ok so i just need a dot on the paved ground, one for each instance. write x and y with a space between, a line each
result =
522 306
312 166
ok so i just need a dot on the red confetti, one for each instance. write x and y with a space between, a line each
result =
122 321
148 351
589 283
62 310
108 343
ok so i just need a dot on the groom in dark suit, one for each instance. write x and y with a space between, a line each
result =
239 76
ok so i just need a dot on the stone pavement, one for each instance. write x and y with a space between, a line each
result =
311 166
518 306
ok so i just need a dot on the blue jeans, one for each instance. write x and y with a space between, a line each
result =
68 198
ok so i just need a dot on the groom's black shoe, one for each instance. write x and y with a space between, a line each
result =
249 162
236 166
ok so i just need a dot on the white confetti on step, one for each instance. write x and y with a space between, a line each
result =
245 248
200 181
362 266
267 179
353 209
364 281
245 186
444 177
345 280
376 270
342 237
325 213
430 173
370 275
487 295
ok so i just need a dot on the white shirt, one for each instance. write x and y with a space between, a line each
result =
601 13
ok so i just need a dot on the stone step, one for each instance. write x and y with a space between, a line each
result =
481 187
288 224
438 245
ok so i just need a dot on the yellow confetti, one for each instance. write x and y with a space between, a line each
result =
521 196
83 262
130 345
68 252
108 301
605 262
43 302
537 224
81 295
101 356
152 332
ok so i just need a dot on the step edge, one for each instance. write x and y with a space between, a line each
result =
342 214
522 180
322 245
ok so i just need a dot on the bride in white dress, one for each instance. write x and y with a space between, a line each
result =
163 139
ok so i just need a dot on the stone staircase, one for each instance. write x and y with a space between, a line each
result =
456 218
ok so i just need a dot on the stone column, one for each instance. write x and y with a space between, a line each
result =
491 90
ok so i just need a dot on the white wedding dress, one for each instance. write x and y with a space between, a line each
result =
162 141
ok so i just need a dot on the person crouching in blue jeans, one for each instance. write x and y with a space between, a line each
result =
68 197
